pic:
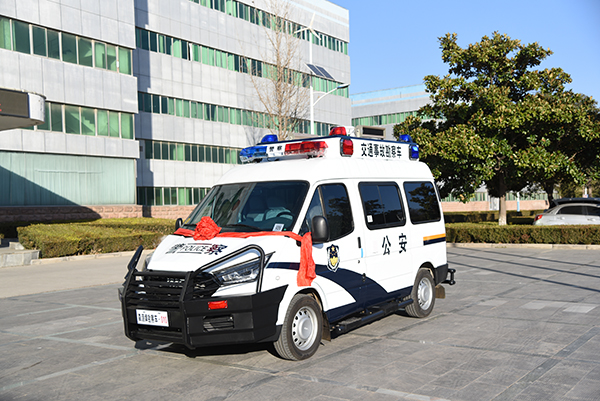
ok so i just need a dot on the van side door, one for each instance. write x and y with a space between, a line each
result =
386 240
337 260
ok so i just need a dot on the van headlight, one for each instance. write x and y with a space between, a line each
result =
243 273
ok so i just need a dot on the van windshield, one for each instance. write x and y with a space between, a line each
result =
257 206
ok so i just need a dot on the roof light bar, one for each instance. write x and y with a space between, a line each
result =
308 148
253 153
337 131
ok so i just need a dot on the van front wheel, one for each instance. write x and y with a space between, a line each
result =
423 295
302 328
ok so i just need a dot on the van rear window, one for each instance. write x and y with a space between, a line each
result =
423 203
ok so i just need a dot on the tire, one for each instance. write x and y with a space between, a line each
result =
302 329
423 295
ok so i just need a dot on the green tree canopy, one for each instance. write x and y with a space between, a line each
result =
495 120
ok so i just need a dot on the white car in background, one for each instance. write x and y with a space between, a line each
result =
570 211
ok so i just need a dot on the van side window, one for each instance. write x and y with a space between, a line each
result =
382 205
332 202
423 204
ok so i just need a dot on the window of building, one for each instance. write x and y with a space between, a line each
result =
69 48
423 205
111 57
179 107
124 61
382 205
88 121
157 150
102 117
113 123
21 37
85 52
53 44
39 41
56 117
153 41
72 122
126 126
5 38
100 54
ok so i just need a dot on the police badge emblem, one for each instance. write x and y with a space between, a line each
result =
333 261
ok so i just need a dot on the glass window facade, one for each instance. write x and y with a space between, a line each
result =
383 119
255 16
87 121
158 104
234 62
32 39
161 150
169 196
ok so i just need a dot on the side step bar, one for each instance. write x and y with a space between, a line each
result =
371 314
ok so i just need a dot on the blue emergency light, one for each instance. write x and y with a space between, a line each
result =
253 152
269 138
413 151
405 138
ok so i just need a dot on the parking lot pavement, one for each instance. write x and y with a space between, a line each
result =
520 324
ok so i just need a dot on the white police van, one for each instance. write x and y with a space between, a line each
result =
307 239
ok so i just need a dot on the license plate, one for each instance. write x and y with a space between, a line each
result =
152 317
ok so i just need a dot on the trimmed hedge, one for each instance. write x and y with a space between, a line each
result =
99 236
162 226
512 216
522 234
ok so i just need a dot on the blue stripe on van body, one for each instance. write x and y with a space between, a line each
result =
365 293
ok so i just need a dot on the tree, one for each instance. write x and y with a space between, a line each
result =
277 79
495 121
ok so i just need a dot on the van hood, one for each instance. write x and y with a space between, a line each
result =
178 253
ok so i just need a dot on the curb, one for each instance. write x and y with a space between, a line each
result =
83 257
523 246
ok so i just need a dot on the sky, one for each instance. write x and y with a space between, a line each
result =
394 43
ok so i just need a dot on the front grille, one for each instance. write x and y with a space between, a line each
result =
163 289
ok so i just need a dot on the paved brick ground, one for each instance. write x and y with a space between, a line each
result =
520 324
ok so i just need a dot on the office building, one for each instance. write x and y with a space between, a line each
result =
148 102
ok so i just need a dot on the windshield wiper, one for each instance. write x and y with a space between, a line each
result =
243 225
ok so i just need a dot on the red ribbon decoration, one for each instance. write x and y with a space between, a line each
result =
207 229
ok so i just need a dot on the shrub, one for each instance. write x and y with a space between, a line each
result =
99 236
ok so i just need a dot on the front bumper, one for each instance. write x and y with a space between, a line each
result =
195 317
247 319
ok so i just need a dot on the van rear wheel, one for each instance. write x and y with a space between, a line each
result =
302 329
423 295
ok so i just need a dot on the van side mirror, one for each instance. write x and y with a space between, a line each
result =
178 223
320 230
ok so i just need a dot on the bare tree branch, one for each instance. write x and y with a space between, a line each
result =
276 78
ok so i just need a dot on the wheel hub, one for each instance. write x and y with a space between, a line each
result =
303 332
425 294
